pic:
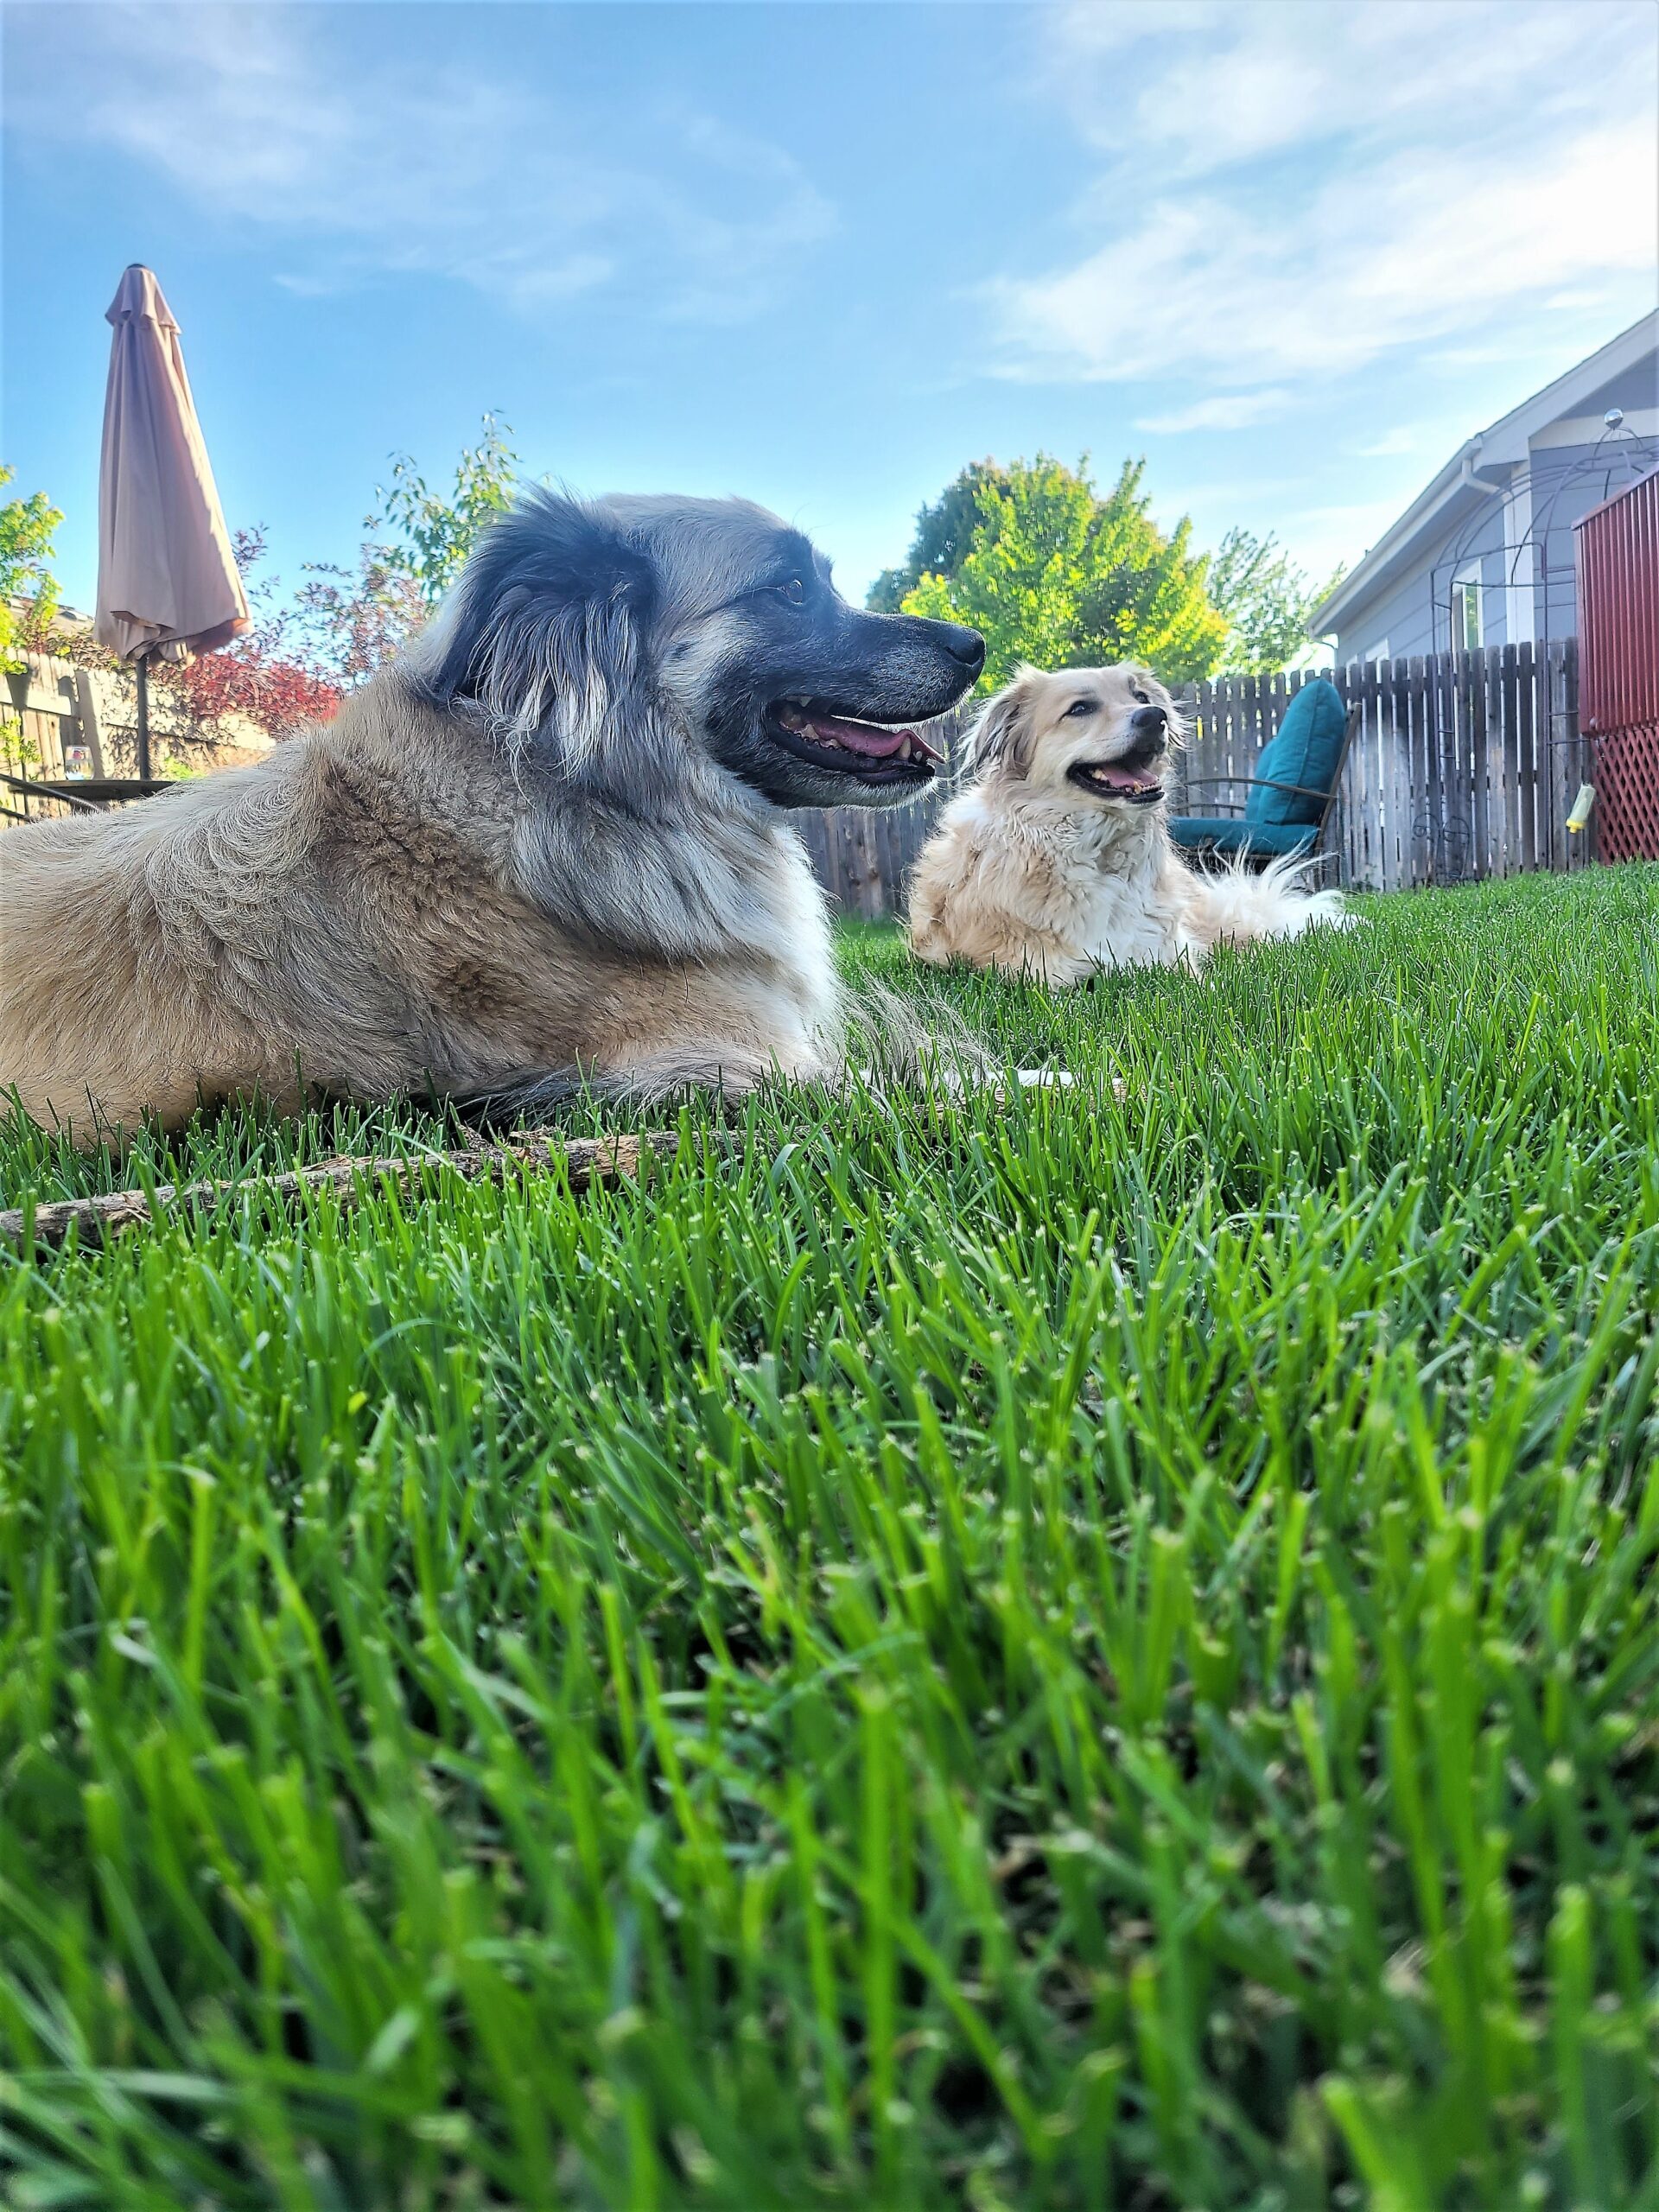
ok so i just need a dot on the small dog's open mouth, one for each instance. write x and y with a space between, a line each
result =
1112 779
875 754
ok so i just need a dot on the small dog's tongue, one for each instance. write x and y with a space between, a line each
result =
859 737
1120 778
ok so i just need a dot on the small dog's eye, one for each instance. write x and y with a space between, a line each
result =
793 593
1138 694
1080 707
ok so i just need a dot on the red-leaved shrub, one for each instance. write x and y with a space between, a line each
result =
277 695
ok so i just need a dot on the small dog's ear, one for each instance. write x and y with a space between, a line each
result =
546 631
1002 741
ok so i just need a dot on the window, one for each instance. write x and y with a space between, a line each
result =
1377 653
1468 634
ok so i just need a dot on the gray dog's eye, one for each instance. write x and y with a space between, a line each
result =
793 593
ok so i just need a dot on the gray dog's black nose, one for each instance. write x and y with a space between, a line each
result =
1148 721
963 644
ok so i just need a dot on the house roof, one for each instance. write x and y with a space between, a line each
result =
1460 485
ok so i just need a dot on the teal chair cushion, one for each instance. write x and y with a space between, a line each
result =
1305 750
1221 834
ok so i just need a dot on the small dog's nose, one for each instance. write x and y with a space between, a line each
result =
1148 721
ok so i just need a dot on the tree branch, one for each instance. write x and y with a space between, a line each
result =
101 1220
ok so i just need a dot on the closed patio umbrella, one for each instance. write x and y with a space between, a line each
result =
166 580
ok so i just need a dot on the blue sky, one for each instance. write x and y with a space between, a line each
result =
823 254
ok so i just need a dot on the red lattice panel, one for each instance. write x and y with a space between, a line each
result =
1627 793
1618 702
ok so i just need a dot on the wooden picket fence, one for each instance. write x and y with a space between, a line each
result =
61 722
1464 765
863 856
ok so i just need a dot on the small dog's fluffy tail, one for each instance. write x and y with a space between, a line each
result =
1233 907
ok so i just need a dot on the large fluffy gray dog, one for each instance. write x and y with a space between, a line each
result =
548 847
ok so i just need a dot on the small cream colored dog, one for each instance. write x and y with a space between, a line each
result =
1056 861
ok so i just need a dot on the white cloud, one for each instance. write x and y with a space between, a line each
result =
1433 243
1581 299
1286 193
1403 439
1227 410
266 119
1225 80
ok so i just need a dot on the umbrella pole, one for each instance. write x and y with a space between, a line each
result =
143 716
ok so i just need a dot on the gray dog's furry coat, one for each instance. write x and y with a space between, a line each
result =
546 849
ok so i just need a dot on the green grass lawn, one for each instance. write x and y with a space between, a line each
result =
1063 1653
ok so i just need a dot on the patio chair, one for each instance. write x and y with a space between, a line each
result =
1291 799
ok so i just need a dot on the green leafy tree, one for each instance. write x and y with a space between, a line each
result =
430 535
308 650
944 537
1267 599
28 591
1057 575
415 543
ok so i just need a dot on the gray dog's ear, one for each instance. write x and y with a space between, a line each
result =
547 628
1002 741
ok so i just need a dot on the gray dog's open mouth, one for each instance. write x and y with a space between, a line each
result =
871 752
1111 779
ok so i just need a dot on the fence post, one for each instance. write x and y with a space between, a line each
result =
1411 700
1474 692
1345 679
1567 749
1396 833
1511 740
1370 824
1526 756
91 728
1186 705
1584 754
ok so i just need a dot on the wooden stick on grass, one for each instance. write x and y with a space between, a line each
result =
101 1220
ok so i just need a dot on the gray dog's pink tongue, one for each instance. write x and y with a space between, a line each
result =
858 737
